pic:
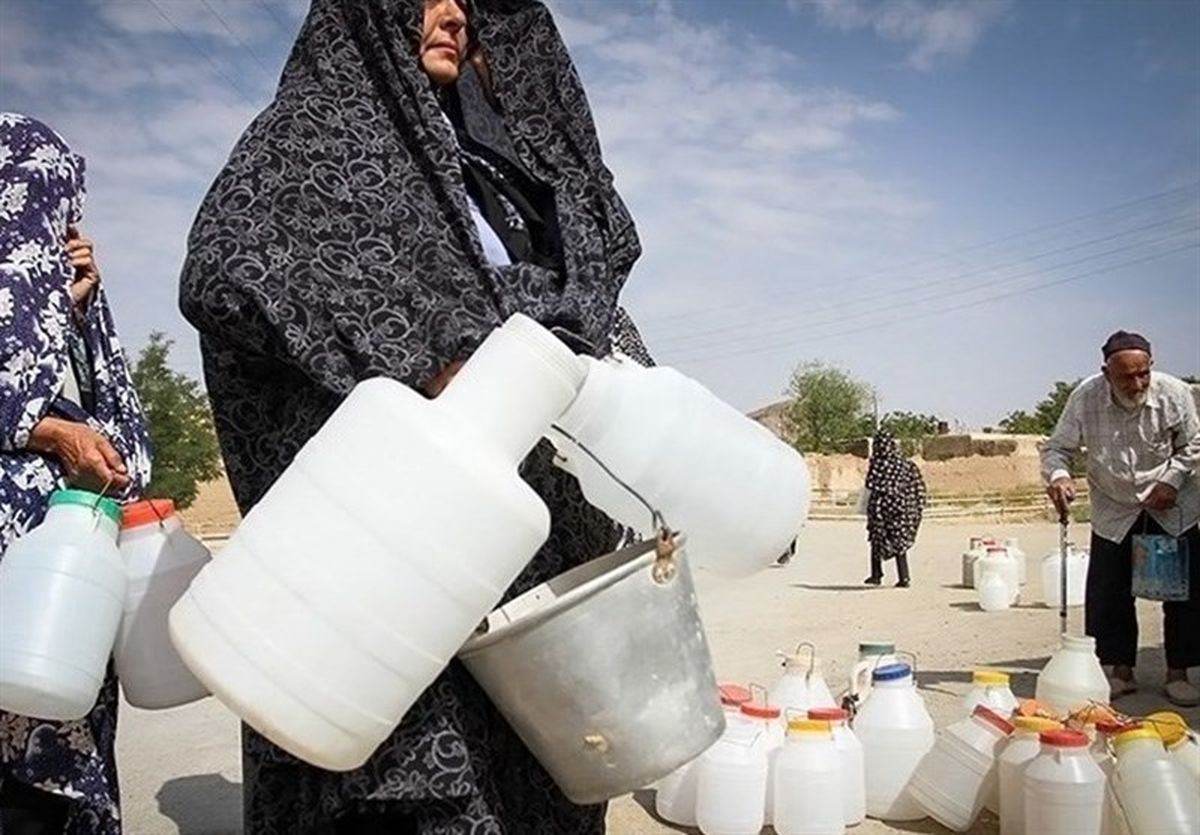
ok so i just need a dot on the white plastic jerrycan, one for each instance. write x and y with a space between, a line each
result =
1072 678
395 530
767 719
808 795
1077 566
161 559
995 593
741 494
896 732
1064 787
850 756
62 589
955 779
975 550
1018 752
1157 793
732 783
802 686
1187 752
871 656
998 559
990 688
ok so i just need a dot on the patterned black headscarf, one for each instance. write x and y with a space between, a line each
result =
338 238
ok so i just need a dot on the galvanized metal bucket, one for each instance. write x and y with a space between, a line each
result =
604 671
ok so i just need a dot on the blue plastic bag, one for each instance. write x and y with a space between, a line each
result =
1160 567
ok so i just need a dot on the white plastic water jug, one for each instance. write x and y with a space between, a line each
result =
896 731
1073 678
1064 788
999 560
991 689
1156 791
1016 753
808 782
161 559
802 686
850 756
675 798
1077 566
1013 546
741 494
62 588
732 783
368 563
975 550
871 656
1187 752
995 593
764 717
955 779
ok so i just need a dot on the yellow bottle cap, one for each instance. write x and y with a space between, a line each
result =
1134 735
991 678
1036 724
1169 725
809 726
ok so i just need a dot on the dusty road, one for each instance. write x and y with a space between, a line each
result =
180 770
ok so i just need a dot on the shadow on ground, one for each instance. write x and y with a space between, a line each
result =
203 804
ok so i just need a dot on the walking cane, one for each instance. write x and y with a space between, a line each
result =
1063 521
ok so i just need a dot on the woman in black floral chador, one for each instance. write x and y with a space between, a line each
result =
894 507
69 415
427 169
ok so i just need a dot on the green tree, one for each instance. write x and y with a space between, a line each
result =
1045 414
909 428
186 452
827 407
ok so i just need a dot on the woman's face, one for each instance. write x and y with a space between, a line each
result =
443 40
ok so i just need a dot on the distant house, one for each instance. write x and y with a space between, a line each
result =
772 417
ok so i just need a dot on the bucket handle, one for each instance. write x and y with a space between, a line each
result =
812 657
100 498
666 545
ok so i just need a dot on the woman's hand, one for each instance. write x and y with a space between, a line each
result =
89 459
82 253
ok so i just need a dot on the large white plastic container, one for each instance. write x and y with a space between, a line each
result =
62 589
955 778
161 560
1073 678
995 593
732 783
741 494
1181 742
1157 793
975 550
896 731
1077 566
850 756
808 782
1016 753
802 686
990 688
357 577
1187 752
871 656
765 718
1064 788
998 560
675 798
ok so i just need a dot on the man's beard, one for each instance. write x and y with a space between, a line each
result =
1130 403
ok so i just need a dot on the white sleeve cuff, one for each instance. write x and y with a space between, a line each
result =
1055 475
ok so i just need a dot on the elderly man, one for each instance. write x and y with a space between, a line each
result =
1143 445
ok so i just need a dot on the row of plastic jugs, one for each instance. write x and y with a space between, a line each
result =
116 569
1041 778
998 571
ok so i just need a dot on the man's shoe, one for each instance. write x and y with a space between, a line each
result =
902 584
873 580
1182 693
1118 687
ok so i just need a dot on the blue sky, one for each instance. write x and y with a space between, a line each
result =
955 201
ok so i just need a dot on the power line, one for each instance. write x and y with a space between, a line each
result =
799 318
963 306
1167 194
237 40
212 61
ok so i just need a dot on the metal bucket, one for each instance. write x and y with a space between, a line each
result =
604 672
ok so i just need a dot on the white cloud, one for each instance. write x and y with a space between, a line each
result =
939 31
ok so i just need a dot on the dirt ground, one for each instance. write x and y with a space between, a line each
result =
180 769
